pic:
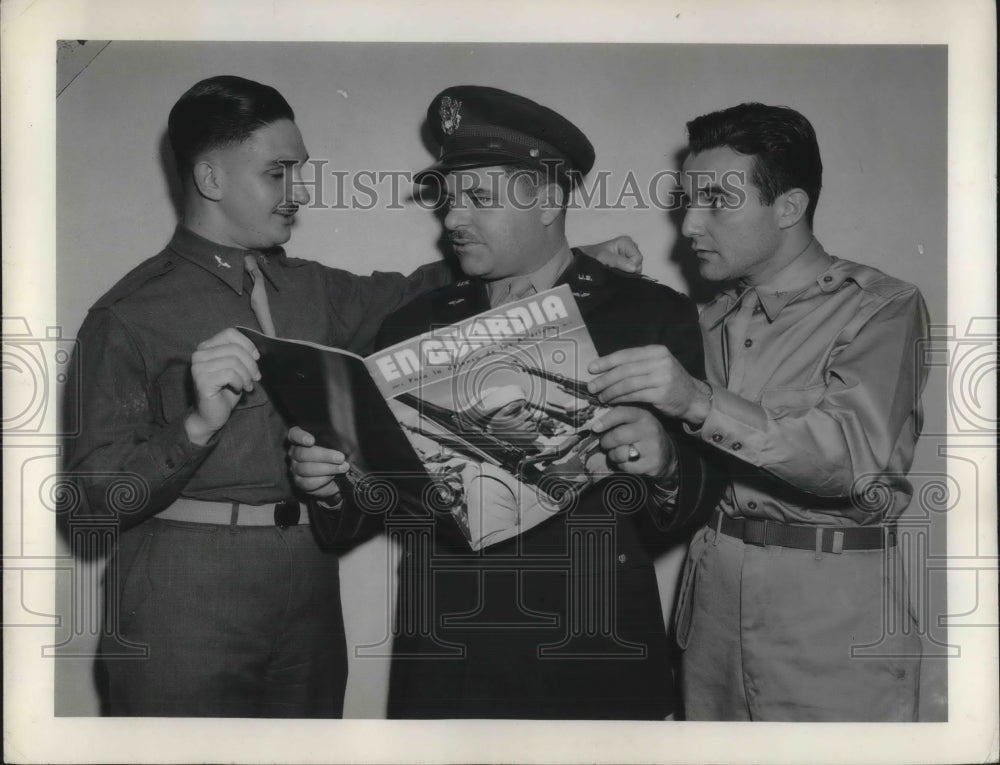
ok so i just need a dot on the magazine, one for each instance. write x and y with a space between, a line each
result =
488 419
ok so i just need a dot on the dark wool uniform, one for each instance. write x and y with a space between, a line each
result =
565 620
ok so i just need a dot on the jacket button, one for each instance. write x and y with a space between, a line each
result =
737 446
747 343
170 463
827 279
716 437
751 505
622 557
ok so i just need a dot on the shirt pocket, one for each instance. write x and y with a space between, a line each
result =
176 392
783 401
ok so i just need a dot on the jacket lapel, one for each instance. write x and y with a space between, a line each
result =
586 277
460 301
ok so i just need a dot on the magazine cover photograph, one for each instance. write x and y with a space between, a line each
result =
488 419
498 411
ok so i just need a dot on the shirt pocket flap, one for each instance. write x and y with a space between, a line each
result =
176 391
256 397
177 396
785 400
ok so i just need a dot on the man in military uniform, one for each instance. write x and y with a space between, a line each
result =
217 571
813 400
529 628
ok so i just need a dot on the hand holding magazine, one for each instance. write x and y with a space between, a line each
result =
489 416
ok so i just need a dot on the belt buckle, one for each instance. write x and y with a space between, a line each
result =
287 513
755 532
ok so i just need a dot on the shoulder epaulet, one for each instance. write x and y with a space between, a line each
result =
296 262
588 268
635 281
153 268
632 275
872 279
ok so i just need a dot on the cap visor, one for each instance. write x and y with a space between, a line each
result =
469 160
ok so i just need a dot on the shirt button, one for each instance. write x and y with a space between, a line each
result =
751 505
748 343
757 309
622 557
737 446
716 437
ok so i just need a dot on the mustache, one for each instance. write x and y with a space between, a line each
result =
460 236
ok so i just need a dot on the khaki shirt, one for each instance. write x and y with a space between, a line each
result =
823 413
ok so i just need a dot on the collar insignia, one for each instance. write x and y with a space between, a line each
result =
450 117
221 263
456 302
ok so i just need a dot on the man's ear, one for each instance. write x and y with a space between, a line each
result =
791 207
207 179
551 198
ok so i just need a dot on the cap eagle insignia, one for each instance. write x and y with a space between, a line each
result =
450 117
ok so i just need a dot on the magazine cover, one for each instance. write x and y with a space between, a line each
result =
496 407
488 419
330 393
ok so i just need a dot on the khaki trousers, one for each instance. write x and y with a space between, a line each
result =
772 633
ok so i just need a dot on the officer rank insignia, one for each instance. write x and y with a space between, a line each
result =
450 117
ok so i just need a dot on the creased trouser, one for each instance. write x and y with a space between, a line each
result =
239 622
772 633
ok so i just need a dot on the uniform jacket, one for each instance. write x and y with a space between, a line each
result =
564 621
130 381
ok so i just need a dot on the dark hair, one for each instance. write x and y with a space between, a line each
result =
221 111
781 141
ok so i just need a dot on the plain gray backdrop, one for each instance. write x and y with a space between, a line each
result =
880 113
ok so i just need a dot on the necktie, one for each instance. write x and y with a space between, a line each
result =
736 339
520 287
258 296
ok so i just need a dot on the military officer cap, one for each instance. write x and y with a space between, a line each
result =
477 126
